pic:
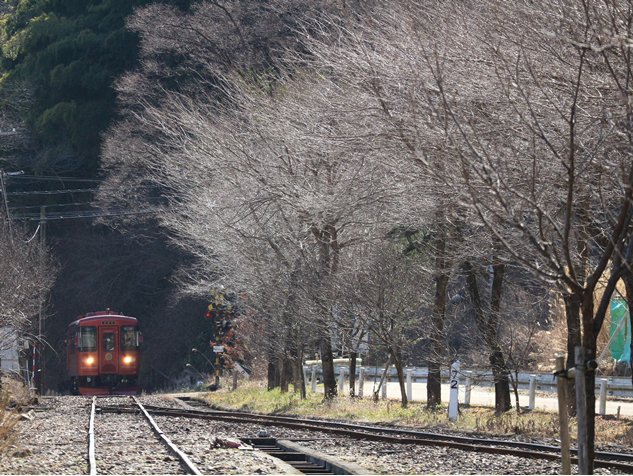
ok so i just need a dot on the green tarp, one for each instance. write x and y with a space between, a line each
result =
620 335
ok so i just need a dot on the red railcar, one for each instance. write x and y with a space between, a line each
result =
103 354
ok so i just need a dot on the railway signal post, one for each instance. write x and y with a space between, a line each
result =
218 349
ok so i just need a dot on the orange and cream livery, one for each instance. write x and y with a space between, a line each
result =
103 354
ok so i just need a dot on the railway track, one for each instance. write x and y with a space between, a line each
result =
292 457
132 406
619 461
105 436
54 442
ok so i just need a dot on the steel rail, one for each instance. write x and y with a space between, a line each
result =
92 462
183 457
521 449
414 433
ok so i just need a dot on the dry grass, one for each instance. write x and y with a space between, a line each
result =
253 396
613 431
14 397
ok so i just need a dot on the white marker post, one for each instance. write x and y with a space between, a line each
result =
453 397
532 392
313 379
603 397
341 380
469 384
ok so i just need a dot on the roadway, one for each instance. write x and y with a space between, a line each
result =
485 396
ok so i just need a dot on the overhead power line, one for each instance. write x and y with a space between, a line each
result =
81 190
54 177
90 214
72 204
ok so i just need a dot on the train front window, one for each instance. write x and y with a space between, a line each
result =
129 338
87 339
108 341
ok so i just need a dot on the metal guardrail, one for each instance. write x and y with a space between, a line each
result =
616 386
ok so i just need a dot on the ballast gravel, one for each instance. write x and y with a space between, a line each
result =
55 441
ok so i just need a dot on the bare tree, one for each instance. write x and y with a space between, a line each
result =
542 141
264 168
386 289
531 106
488 326
26 275
393 90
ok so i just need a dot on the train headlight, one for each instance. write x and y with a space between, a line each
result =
90 360
127 359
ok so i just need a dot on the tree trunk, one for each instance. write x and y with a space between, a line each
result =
272 372
278 369
515 387
292 344
572 314
589 343
328 262
397 359
383 378
488 329
352 373
285 374
434 380
299 378
500 372
327 362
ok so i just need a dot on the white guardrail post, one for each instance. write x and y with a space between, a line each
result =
409 385
313 381
384 387
341 380
615 386
469 382
603 396
532 392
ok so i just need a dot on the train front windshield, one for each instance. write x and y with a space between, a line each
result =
87 339
130 338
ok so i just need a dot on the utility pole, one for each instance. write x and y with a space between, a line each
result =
5 201
40 372
41 317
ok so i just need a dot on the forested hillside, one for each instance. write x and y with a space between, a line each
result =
69 54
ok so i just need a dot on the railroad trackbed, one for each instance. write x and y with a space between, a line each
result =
136 433
158 434
297 460
620 461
